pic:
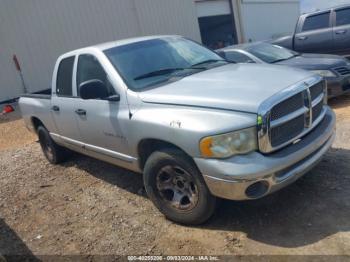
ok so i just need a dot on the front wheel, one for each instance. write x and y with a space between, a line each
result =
176 187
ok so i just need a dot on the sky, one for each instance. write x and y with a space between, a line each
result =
313 5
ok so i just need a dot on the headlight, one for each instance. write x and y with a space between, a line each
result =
226 145
324 73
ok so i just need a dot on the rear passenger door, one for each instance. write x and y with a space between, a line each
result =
341 31
315 34
63 102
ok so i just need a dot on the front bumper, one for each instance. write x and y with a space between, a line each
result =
338 86
255 175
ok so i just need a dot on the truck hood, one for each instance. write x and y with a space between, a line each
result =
315 61
238 87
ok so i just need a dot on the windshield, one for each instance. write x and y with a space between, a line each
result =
150 62
271 53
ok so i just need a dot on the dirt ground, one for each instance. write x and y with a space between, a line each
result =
86 206
13 134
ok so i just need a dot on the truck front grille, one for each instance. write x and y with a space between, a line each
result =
316 111
287 131
290 118
285 107
316 90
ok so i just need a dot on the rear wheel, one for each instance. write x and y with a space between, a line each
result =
176 187
53 152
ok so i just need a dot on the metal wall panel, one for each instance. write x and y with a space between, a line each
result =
265 19
213 8
38 31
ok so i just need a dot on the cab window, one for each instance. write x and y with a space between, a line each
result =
90 69
343 17
316 22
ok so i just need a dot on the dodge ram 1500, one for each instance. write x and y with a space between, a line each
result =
196 126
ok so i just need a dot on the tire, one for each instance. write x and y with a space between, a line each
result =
176 187
54 153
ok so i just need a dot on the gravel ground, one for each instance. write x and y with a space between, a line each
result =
13 134
86 206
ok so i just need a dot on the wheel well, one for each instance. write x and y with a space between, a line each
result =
147 146
36 123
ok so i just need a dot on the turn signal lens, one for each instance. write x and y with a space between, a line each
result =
205 146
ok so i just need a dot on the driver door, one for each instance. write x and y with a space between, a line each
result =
99 120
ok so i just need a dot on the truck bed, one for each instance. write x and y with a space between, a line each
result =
37 106
43 94
39 96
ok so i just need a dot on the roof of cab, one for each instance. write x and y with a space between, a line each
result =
108 45
111 44
323 10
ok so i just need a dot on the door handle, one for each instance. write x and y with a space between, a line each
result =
302 37
80 112
55 108
340 32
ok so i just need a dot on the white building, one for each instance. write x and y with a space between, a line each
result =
38 31
237 21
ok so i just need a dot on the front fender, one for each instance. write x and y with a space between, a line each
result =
183 126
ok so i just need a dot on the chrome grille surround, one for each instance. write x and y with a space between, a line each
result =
271 125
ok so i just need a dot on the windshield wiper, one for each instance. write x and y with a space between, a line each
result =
207 62
159 72
280 60
166 71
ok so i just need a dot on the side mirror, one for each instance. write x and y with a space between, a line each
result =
93 89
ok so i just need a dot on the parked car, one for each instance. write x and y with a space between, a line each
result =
335 69
326 32
196 126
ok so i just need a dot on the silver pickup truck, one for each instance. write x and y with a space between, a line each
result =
196 126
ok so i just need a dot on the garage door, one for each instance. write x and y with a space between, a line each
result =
216 23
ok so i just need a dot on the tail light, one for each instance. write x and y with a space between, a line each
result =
7 109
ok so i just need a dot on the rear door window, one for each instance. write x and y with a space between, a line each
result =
64 77
316 22
343 17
